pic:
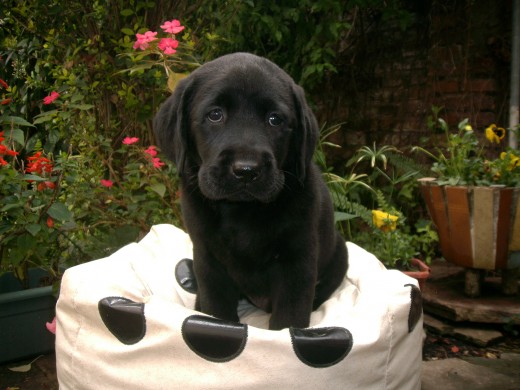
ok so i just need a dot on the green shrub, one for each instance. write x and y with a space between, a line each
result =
377 203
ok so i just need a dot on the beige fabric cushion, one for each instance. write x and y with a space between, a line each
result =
125 322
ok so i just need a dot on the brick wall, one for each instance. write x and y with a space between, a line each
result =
455 54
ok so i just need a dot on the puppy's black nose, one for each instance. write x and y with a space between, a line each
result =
245 170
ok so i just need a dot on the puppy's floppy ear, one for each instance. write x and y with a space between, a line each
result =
172 123
306 135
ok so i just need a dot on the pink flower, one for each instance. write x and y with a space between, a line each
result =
130 140
107 183
157 163
151 151
143 40
51 326
172 27
52 97
168 45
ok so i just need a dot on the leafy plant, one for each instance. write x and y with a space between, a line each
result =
69 191
61 210
167 52
371 201
304 37
33 212
464 160
344 190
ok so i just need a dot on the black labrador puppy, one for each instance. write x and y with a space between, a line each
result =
254 203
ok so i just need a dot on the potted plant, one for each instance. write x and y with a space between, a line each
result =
474 202
393 243
29 241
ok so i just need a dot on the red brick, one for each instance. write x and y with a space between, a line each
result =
482 85
447 86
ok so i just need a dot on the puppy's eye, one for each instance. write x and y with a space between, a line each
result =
215 115
275 120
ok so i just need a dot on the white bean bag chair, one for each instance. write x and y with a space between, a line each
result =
127 322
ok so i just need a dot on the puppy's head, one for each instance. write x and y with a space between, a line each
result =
240 126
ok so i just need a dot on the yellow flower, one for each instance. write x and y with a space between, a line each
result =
384 221
514 161
468 128
495 134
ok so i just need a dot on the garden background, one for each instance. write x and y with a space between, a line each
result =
83 178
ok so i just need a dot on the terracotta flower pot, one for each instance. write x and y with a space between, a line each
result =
422 273
479 227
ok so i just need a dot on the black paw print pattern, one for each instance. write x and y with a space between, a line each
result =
221 341
416 307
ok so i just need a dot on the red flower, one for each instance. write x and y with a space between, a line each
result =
46 184
52 97
172 27
5 102
107 183
151 151
6 151
38 164
4 84
168 45
157 163
50 224
143 40
150 155
130 140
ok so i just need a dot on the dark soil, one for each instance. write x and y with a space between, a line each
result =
438 347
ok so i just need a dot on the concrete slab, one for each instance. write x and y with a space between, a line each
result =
457 374
444 296
474 334
508 364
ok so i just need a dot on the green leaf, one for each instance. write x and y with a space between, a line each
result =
127 12
341 216
24 368
60 212
174 78
83 107
33 177
16 120
46 113
4 227
10 206
17 135
44 118
159 189
33 228
127 31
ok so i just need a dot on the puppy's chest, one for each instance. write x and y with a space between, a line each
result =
246 235
244 249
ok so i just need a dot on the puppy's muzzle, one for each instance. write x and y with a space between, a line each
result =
246 171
